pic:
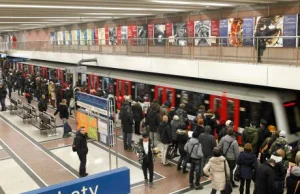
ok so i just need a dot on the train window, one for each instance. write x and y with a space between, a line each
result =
119 88
230 110
108 85
143 91
127 89
293 115
192 101
217 108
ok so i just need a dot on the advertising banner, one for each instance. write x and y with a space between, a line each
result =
224 32
96 36
150 32
101 36
63 38
235 31
71 37
270 26
289 29
74 37
248 31
59 38
180 33
215 28
134 34
85 37
113 36
56 38
52 38
78 36
142 34
106 36
124 35
89 37
202 33
159 34
82 40
67 37
169 30
119 37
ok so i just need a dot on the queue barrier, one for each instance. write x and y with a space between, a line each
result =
28 113
102 183
46 123
15 105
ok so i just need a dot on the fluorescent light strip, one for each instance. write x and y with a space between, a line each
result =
75 17
88 8
123 14
193 3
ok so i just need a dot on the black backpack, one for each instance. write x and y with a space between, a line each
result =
278 145
171 152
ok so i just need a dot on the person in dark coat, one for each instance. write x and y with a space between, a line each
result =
293 180
182 138
171 114
137 117
201 111
82 150
250 135
126 117
9 84
3 93
247 163
263 134
152 120
63 111
221 125
20 84
175 125
208 143
209 119
43 104
165 133
264 178
194 123
69 96
200 128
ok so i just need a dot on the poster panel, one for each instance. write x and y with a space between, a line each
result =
142 34
180 33
113 36
106 36
52 38
202 33
59 38
63 38
159 34
124 35
289 29
270 26
169 29
119 38
89 37
224 31
78 36
85 37
248 31
96 36
70 37
134 35
235 31
101 36
67 35
92 128
74 37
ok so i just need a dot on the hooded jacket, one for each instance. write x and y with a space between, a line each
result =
152 119
126 117
137 112
281 141
165 132
208 143
63 111
292 180
182 138
247 163
3 92
216 168
175 125
210 121
182 116
250 135
233 151
197 151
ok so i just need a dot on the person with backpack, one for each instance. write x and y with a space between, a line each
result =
217 169
250 135
126 117
138 116
230 149
144 151
182 138
265 147
247 164
81 149
163 111
165 133
194 151
181 113
281 143
263 134
208 143
152 120
175 125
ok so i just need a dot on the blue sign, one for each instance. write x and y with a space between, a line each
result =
71 38
56 38
78 36
289 29
91 100
224 31
93 36
85 37
248 31
115 181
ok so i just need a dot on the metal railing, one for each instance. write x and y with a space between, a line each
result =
273 50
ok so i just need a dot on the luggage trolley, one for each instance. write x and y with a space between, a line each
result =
29 113
15 105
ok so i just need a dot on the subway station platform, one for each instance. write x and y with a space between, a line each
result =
31 160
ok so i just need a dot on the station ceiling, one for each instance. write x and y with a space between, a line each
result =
16 15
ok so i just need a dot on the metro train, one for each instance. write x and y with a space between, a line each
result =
229 102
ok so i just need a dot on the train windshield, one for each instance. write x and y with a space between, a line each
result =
293 115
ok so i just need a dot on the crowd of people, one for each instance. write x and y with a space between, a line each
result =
264 158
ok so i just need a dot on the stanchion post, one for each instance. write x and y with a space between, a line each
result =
75 108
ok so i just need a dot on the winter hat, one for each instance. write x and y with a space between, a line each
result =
263 122
227 123
282 134
296 171
175 118
166 104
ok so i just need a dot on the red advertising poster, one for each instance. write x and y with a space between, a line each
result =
119 36
134 32
150 31
215 28
190 29
169 29
130 36
96 37
106 36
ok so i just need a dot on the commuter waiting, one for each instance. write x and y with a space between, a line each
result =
3 93
64 116
43 105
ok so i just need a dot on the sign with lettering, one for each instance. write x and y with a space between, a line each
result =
92 103
102 183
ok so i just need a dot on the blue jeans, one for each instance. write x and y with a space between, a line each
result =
127 139
195 167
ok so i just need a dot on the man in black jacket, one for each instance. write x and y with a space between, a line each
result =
137 116
126 117
82 150
3 93
165 133
152 121
263 134
264 179
43 104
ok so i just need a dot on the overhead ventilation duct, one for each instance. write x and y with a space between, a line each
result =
87 60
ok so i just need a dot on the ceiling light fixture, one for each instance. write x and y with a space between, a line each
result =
122 14
74 17
193 3
88 8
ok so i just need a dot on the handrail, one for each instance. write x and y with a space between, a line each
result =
274 49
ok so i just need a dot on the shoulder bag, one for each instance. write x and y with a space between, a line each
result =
188 156
296 189
227 149
228 188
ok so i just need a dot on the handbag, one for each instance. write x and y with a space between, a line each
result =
188 156
228 188
72 103
227 149
236 173
296 189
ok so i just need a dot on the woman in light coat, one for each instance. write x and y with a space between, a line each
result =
215 169
51 89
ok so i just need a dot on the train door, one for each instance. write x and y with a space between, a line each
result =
123 88
60 75
30 69
93 81
44 72
20 66
226 109
163 94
